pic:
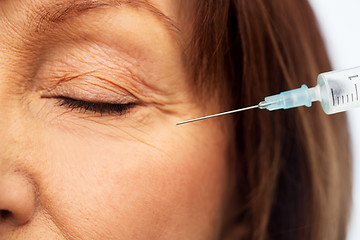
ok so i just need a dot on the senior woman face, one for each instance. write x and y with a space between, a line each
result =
90 92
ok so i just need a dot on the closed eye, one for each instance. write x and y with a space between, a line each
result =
95 107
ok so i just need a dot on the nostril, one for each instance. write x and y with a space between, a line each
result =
17 200
5 214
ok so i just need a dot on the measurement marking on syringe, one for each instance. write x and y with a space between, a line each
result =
352 97
338 99
357 94
347 97
342 99
332 93
351 77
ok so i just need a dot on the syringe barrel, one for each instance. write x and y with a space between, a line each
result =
339 90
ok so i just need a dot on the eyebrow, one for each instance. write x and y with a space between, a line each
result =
61 11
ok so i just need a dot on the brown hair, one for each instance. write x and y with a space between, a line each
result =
293 168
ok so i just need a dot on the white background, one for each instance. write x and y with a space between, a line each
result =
340 24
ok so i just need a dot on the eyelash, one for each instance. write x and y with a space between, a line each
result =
99 107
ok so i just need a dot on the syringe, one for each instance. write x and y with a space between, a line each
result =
338 91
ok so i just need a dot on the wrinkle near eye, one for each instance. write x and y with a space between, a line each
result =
125 127
97 67
126 61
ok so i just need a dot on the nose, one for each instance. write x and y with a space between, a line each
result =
17 200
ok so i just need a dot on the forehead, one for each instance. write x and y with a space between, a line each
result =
31 17
58 11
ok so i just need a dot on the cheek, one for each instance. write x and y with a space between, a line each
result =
173 185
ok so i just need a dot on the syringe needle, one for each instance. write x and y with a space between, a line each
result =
218 114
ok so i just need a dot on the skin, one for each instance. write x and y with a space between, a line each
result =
84 175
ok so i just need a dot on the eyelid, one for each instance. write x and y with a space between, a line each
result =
98 64
91 91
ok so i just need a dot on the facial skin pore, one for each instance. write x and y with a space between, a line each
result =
70 169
